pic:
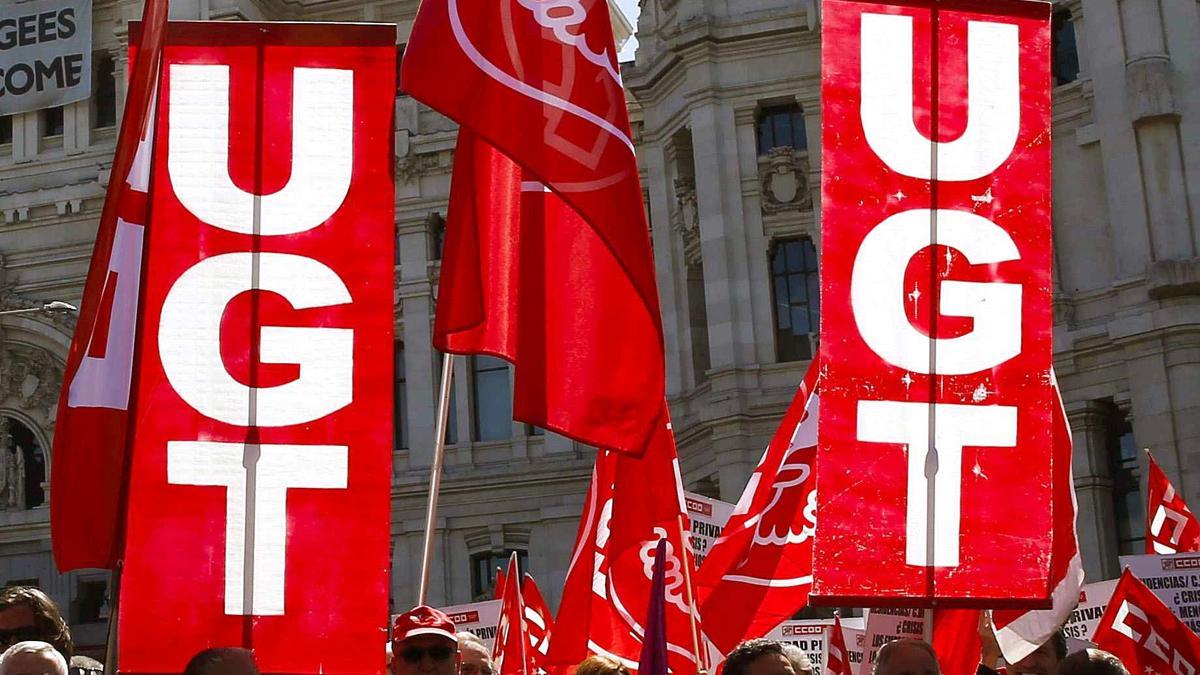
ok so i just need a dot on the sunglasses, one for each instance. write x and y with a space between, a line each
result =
15 635
416 654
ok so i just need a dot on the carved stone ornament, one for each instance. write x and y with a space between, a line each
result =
412 166
31 378
10 299
686 219
783 176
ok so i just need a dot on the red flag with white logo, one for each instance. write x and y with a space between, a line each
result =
260 481
837 660
1170 525
1141 631
90 458
759 571
547 247
631 504
512 651
1020 633
539 622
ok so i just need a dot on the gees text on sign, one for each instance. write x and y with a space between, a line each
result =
45 54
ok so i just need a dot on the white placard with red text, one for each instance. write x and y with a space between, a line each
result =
259 498
1093 598
479 618
708 517
936 393
1175 579
888 625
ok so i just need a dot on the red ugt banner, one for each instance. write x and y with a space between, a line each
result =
936 402
1141 631
259 496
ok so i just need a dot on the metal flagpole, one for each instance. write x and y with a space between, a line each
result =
435 474
685 542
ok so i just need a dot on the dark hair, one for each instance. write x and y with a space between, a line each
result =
1059 640
600 665
1091 662
748 652
46 617
222 661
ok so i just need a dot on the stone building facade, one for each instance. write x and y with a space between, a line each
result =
724 96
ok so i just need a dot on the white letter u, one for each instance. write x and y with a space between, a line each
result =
993 101
322 151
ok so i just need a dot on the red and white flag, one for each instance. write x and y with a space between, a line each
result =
759 572
1020 633
539 622
1141 631
90 458
631 504
547 245
1170 525
512 651
837 660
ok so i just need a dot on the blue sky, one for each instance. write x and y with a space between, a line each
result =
630 7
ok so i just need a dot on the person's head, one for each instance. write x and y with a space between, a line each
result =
600 665
1091 662
474 657
758 657
32 657
423 642
222 661
798 658
906 657
26 613
1043 660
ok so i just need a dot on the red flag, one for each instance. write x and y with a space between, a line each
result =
1021 632
547 246
1170 525
90 457
539 623
837 661
956 640
1141 631
759 571
632 503
512 652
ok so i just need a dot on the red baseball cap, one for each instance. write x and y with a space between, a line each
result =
422 620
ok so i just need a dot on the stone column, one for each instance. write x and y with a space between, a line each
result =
668 263
414 301
1096 522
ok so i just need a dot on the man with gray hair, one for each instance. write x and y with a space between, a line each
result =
476 659
798 658
906 657
32 657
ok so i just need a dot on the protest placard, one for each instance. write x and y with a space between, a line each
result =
888 625
47 54
479 618
1093 598
810 635
708 518
1175 579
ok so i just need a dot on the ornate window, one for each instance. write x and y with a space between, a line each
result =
91 601
22 467
491 399
796 291
781 126
1065 54
401 393
437 235
6 131
104 91
1129 505
483 570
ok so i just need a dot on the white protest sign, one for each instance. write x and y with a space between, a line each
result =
1093 598
888 625
708 517
856 638
45 54
479 618
810 635
1175 579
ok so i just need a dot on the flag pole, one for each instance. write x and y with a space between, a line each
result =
435 473
110 646
686 542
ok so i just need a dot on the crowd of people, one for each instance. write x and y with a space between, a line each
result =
37 641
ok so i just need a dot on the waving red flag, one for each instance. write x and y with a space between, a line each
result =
1141 631
1170 525
1020 633
631 505
90 458
956 640
760 570
547 245
539 622
512 652
837 662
